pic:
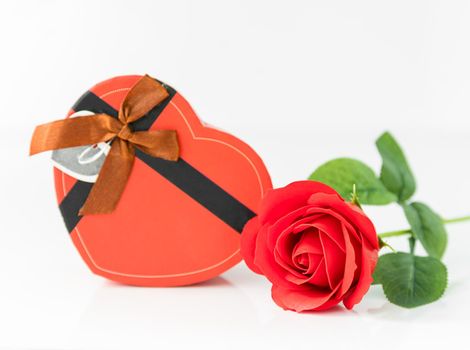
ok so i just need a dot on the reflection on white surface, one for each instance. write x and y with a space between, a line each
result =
232 311
49 298
162 313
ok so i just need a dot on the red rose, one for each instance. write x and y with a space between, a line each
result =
315 248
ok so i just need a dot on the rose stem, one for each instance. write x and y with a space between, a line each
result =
408 231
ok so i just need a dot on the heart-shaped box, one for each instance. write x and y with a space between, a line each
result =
176 223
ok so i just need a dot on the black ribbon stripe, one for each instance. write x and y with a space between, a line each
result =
180 173
89 101
201 189
72 203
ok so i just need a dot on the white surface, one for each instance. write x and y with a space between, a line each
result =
302 82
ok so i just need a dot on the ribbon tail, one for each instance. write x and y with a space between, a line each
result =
144 95
112 179
72 132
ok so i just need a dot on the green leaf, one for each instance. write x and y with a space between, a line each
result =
395 174
343 173
410 281
428 228
375 281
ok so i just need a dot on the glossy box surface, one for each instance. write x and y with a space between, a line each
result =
177 223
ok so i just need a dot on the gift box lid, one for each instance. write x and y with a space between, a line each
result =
177 222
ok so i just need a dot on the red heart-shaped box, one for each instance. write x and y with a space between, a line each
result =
175 224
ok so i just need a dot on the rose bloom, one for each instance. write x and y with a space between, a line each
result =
316 249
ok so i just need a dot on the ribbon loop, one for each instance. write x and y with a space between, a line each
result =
146 94
134 106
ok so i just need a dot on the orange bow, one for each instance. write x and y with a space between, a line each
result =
89 130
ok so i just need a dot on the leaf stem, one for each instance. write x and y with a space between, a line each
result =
408 231
460 219
394 233
412 242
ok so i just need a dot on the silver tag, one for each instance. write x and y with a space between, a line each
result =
83 162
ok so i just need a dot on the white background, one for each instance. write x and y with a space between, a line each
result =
302 82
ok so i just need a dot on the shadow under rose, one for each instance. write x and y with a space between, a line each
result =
337 310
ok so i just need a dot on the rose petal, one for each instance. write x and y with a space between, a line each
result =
348 211
308 218
300 299
266 251
369 260
284 226
309 242
298 280
349 264
357 246
319 277
332 227
313 262
315 270
334 260
337 216
301 261
289 266
248 243
289 235
308 245
266 262
329 304
282 201
286 243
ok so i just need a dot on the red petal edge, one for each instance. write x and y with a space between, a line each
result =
248 243
281 201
